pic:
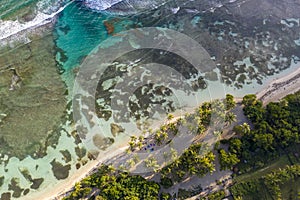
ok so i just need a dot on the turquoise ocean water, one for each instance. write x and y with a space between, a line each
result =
78 30
78 34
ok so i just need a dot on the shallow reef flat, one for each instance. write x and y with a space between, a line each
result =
38 147
34 107
248 43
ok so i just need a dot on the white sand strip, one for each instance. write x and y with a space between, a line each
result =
281 87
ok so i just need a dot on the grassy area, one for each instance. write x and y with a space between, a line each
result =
261 184
260 193
279 163
291 190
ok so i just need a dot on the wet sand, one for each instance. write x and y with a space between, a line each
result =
91 167
280 87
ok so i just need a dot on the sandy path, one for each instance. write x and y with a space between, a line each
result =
277 89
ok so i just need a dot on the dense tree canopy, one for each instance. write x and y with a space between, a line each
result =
276 127
227 160
269 186
191 162
111 185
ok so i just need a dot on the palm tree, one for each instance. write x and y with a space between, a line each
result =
131 162
140 145
201 129
243 129
173 128
122 168
217 133
128 150
246 128
192 170
150 130
164 136
181 121
151 163
158 137
191 127
218 105
229 102
164 127
136 158
176 162
133 138
174 154
141 138
111 168
284 103
170 116
144 132
230 118
131 145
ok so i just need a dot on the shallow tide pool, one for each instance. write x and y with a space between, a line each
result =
40 147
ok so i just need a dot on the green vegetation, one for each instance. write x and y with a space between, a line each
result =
270 186
271 145
276 130
229 102
216 195
166 182
108 184
265 158
227 160
191 162
184 194
165 196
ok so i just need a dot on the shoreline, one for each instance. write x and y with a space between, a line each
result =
65 186
280 87
276 90
12 31
273 92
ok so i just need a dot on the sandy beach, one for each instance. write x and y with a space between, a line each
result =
277 89
92 166
280 87
63 187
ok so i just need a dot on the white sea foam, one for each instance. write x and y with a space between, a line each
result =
101 4
175 10
9 28
123 7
